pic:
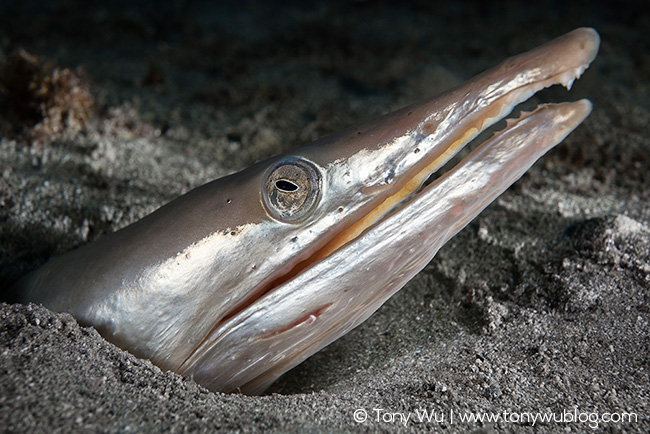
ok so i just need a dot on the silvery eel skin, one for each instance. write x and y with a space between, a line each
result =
241 279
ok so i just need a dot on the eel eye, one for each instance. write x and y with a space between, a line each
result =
291 190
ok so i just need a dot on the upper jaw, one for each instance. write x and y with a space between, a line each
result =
373 182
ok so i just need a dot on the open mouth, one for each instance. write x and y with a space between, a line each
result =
484 111
498 111
415 183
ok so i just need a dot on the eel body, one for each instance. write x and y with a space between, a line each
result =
239 280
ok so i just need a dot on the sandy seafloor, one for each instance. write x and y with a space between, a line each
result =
540 305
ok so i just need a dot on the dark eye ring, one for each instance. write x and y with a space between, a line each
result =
291 189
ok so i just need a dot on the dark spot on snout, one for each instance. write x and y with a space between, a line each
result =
389 177
430 128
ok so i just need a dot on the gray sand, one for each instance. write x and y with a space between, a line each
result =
539 305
